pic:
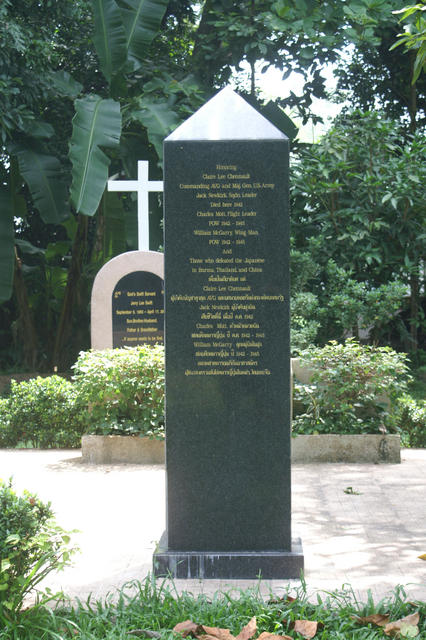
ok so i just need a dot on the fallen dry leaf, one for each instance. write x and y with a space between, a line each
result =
282 600
394 628
248 631
186 628
380 619
213 633
271 636
306 628
422 557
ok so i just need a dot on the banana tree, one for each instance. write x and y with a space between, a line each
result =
103 121
124 30
7 251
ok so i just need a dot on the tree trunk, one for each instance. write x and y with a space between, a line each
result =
414 309
412 109
25 334
72 299
205 69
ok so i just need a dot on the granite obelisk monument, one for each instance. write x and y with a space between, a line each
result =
227 347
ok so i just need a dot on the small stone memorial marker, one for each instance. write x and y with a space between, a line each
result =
227 347
128 301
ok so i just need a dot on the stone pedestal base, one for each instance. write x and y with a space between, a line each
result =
237 565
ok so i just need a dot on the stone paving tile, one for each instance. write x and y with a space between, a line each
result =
371 540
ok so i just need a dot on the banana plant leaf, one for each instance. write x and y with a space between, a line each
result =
114 241
96 124
39 129
142 19
7 249
109 36
27 248
159 120
65 84
42 173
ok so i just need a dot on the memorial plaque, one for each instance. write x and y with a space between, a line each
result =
227 347
138 310
127 303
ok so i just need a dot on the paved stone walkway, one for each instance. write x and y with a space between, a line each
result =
370 539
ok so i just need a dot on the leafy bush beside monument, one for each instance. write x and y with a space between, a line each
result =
41 412
353 389
122 390
32 545
115 391
411 421
357 389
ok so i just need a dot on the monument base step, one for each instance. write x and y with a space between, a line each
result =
238 565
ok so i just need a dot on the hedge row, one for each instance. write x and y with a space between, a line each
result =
116 391
353 389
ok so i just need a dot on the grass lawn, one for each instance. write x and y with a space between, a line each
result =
154 608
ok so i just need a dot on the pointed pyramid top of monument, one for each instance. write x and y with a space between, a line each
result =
226 116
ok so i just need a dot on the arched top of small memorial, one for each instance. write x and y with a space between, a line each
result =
226 116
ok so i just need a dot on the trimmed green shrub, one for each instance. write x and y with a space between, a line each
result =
5 438
411 421
32 545
354 389
304 311
41 412
122 390
417 388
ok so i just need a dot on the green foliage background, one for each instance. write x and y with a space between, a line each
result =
129 71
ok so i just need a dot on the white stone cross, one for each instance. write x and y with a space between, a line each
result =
143 186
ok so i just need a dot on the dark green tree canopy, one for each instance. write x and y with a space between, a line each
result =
128 72
358 200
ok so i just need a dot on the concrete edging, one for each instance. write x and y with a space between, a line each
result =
131 449
334 447
311 449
